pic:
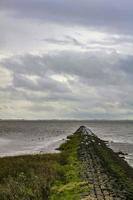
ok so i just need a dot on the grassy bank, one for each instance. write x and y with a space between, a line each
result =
42 177
27 177
83 159
69 185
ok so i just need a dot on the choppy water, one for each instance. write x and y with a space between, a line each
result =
24 137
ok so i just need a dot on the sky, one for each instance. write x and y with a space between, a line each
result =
66 59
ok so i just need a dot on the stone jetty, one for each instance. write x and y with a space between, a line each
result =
109 175
84 168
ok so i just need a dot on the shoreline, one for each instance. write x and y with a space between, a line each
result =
29 136
56 144
85 168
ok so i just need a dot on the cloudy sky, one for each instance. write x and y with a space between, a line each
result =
66 59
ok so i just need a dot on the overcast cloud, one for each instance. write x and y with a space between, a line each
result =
66 59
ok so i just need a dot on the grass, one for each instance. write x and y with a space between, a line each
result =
44 176
58 176
70 186
27 177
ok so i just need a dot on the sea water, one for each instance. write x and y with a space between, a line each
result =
27 137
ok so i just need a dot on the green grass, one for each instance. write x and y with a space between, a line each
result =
58 176
27 177
44 176
70 186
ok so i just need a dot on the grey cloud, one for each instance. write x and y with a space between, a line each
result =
108 78
41 108
107 43
88 67
74 40
56 41
41 84
65 41
112 40
27 64
126 65
99 84
104 14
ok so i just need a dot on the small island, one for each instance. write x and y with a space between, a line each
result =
85 168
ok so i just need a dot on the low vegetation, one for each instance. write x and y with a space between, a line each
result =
44 176
59 176
27 177
69 186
